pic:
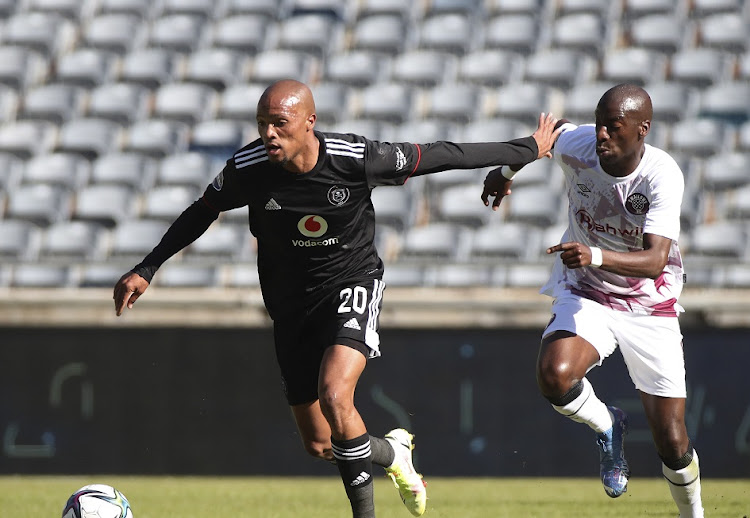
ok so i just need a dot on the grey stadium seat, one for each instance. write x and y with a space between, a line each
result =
206 9
460 204
133 239
331 101
8 103
702 8
133 170
105 204
489 67
46 33
101 275
115 32
68 241
663 33
74 10
743 137
739 205
150 67
631 65
273 65
269 8
423 131
453 102
528 275
243 276
21 68
157 137
26 138
495 7
520 101
395 206
698 67
245 33
503 240
726 31
599 7
517 33
710 239
11 169
177 275
396 274
217 68
217 138
457 275
430 242
19 241
671 101
184 102
190 169
561 68
633 9
380 33
141 8
240 102
420 67
39 275
581 101
179 32
357 68
736 276
40 204
539 172
123 103
166 202
494 130
223 243
453 6
63 169
54 102
452 33
86 67
311 33
404 10
584 32
538 205
697 137
390 102
89 137
727 102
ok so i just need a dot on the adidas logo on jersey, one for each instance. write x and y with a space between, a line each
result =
361 479
272 205
353 324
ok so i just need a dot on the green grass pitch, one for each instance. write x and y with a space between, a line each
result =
290 497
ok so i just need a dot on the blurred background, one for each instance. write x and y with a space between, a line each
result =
115 115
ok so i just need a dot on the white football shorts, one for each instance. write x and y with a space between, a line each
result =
651 346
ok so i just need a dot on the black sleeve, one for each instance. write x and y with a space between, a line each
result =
188 227
440 156
393 163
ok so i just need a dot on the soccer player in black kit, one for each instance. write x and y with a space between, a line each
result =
308 199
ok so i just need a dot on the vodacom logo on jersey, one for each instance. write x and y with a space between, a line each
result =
313 226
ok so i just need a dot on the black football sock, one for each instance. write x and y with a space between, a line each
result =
382 452
354 460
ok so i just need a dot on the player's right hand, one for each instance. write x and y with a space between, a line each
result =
127 290
546 135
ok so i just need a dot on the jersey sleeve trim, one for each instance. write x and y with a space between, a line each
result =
419 159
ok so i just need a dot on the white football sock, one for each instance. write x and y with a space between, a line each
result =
587 408
685 486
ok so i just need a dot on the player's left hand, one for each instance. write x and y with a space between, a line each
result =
574 254
495 184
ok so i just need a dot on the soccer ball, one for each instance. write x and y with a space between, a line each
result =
97 501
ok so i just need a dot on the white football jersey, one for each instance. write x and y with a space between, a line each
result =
614 214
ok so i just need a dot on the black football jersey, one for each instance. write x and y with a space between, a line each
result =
316 230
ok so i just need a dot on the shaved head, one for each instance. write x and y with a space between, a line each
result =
631 99
286 120
290 94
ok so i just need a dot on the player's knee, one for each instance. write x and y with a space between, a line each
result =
555 378
335 404
671 442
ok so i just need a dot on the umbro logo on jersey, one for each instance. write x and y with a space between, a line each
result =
583 189
361 479
353 324
273 205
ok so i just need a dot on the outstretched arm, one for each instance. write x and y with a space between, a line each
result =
188 227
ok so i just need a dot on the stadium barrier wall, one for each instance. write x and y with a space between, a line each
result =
208 401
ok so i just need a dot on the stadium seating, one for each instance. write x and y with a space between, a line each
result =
116 114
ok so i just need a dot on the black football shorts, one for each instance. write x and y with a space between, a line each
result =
347 317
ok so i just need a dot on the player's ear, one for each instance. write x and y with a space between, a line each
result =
310 122
644 128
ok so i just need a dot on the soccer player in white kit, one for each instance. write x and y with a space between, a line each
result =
615 283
